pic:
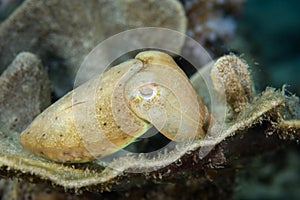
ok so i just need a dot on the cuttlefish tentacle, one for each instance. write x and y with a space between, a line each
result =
110 111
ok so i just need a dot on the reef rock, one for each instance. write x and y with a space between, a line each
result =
24 91
62 33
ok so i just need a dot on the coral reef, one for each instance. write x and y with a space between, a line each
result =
24 91
212 23
67 131
19 190
248 130
63 32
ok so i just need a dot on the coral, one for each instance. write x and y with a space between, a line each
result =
186 163
18 190
231 76
68 132
62 33
212 23
247 130
24 91
198 169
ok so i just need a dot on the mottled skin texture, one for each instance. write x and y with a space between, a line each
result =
103 116
80 127
183 111
114 117
51 134
230 77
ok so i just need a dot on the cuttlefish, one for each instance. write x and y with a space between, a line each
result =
112 110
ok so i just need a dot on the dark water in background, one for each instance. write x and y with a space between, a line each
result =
7 7
269 34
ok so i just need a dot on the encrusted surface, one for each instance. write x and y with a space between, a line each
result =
182 162
62 33
24 91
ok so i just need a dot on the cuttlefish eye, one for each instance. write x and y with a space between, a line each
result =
147 92
109 112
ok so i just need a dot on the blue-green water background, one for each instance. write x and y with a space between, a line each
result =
271 33
269 36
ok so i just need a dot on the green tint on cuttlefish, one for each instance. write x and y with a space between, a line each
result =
81 126
162 95
110 111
